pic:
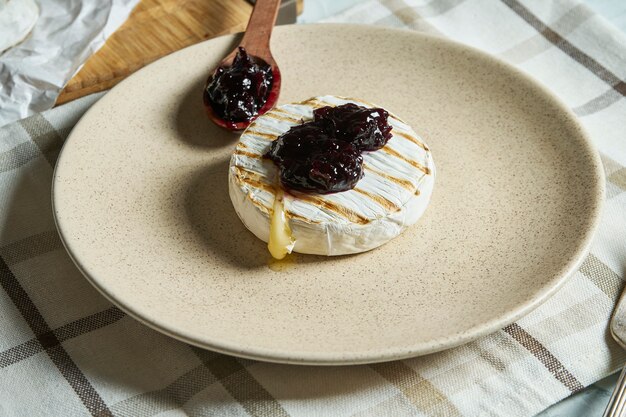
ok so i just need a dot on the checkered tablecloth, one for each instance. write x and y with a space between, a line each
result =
65 351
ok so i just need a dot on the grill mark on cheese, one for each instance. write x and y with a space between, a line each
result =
345 212
415 164
313 103
295 216
401 182
294 116
252 125
264 129
259 184
378 199
248 154
254 179
410 138
242 145
245 175
273 115
260 205
261 134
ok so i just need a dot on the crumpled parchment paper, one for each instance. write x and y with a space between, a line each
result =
33 73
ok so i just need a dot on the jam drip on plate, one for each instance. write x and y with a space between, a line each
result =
325 155
238 92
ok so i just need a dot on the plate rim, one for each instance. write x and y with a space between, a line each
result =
377 355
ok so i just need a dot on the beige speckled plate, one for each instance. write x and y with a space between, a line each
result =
141 202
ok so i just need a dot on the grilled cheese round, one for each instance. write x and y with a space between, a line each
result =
392 195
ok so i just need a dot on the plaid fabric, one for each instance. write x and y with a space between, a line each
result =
66 351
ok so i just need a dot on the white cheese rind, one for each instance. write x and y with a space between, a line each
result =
392 195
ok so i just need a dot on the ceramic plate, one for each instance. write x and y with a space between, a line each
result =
141 202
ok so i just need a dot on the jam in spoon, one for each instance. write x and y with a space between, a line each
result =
246 83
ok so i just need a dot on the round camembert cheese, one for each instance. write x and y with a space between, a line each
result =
392 195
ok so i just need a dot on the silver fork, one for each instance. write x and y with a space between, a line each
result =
617 402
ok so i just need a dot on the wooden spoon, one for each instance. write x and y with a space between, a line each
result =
256 41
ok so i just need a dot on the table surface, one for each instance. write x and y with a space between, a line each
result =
314 10
592 400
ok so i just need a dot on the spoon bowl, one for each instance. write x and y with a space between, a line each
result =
256 41
272 97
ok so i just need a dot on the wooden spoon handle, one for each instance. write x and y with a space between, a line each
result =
257 37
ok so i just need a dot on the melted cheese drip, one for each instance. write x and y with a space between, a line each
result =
281 241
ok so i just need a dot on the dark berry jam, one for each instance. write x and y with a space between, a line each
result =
238 92
325 155
366 128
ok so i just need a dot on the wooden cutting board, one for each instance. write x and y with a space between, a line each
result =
154 29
